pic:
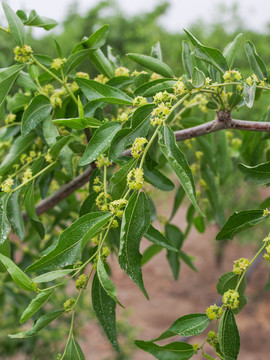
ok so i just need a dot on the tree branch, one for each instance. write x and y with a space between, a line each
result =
223 121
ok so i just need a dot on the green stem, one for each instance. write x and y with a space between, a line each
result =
34 177
5 30
244 272
9 125
148 146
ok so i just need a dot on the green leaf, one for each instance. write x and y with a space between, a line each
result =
260 173
4 222
136 221
71 242
99 142
157 238
198 78
35 305
94 90
101 63
188 325
231 49
20 146
59 145
229 339
234 100
188 260
95 41
31 211
150 252
52 275
106 282
5 249
240 221
255 62
38 109
118 182
178 198
104 307
75 59
7 78
186 51
140 123
27 82
153 64
43 321
249 94
208 54
157 179
18 276
15 213
152 87
39 21
79 123
175 236
17 29
178 162
74 352
174 351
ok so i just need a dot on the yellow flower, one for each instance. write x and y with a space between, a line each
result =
101 79
6 186
230 75
139 101
230 299
23 54
102 161
81 74
214 312
135 179
155 76
58 63
10 119
121 71
48 158
240 265
27 175
137 147
179 88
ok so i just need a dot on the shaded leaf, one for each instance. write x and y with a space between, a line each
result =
153 64
7 78
74 352
174 351
157 179
17 29
118 182
15 214
31 211
198 78
52 275
260 174
186 51
79 123
229 339
35 305
157 238
5 226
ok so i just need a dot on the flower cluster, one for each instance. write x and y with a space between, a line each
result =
81 282
135 179
101 79
200 100
58 63
48 157
155 76
10 119
139 101
164 97
6 186
231 75
82 74
102 201
27 175
121 71
267 248
46 90
179 88
102 161
56 97
266 212
69 304
240 265
212 338
250 80
98 185
230 299
159 114
214 312
23 54
117 207
137 147
137 73
122 117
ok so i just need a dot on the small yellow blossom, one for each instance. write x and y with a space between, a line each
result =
117 207
236 143
102 161
27 175
266 212
214 312
135 179
23 54
230 299
123 117
240 265
106 252
137 73
81 282
58 63
230 75
121 71
101 79
10 119
164 97
46 90
102 201
159 114
48 158
137 147
6 186
69 304
82 74
139 101
155 76
179 88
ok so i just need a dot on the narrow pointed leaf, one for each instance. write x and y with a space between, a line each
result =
150 252
5 226
52 275
186 51
31 211
100 142
229 339
255 62
40 21
7 78
136 221
240 221
71 241
15 214
174 351
102 63
157 179
231 49
260 174
74 352
20 146
37 111
42 322
95 41
178 162
106 282
118 181
104 307
18 276
62 141
79 123
35 305
153 64
75 59
94 90
16 26
157 238
188 325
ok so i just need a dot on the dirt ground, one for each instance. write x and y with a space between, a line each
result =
194 292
